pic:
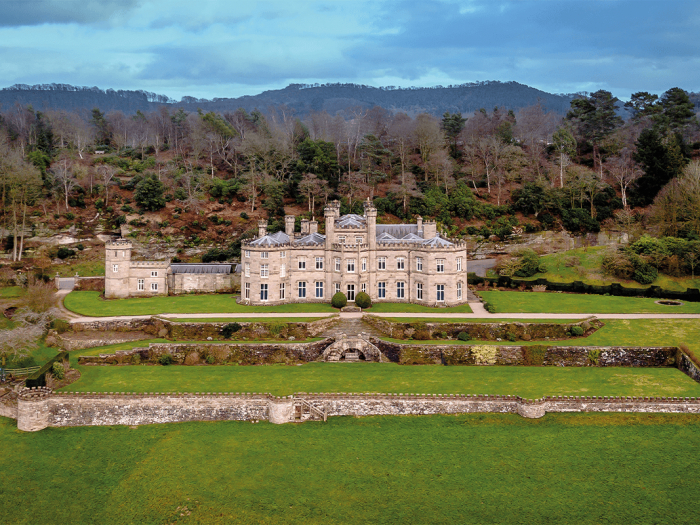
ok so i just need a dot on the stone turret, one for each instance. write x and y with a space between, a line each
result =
117 268
313 226
371 217
331 213
262 228
289 225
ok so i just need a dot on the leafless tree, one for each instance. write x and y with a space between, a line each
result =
624 171
107 173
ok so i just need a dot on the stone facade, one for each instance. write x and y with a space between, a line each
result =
40 408
407 263
125 277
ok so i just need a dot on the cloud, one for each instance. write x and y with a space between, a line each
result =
37 12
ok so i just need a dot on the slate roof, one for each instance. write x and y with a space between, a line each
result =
398 231
312 238
437 241
351 219
200 268
272 239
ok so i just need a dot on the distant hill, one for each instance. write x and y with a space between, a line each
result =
464 98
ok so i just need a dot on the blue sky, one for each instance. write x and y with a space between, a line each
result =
216 48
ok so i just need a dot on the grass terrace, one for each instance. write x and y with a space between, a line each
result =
244 319
471 320
566 303
11 292
416 308
579 469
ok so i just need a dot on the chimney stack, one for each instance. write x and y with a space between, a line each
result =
313 226
289 225
262 228
305 226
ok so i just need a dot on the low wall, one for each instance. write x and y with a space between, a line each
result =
90 284
41 408
194 354
8 406
482 331
415 353
689 368
183 283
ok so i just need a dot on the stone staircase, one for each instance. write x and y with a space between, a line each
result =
352 356
471 296
351 328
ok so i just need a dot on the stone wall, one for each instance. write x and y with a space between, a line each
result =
91 284
243 354
182 283
38 409
483 331
8 405
518 355
689 368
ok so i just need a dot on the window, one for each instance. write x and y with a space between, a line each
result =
319 263
141 286
247 253
337 264
351 292
351 265
440 292
283 255
282 291
459 290
319 289
154 287
247 290
247 269
440 265
283 270
154 273
358 240
381 263
264 255
400 263
381 290
419 291
264 271
263 292
337 287
364 265
459 264
419 264
302 290
302 263
363 287
400 290
341 240
115 268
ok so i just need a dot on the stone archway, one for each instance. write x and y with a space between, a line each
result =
353 349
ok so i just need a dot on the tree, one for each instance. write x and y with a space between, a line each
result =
64 179
107 173
21 184
624 171
678 110
643 104
149 193
427 136
676 208
565 145
17 342
661 160
452 125
103 135
311 186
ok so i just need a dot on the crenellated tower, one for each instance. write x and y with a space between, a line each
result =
117 268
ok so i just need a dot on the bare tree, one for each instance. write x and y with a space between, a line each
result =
64 179
624 171
17 342
107 173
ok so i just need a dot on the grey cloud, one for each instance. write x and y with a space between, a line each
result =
36 12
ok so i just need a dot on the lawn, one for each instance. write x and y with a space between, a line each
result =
245 319
90 304
535 302
471 320
82 268
468 469
10 292
416 308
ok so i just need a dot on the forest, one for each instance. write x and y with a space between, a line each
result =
204 175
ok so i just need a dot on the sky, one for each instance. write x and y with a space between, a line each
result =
231 48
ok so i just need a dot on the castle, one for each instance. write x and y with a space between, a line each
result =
409 263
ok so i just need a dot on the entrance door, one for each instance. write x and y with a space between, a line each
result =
351 292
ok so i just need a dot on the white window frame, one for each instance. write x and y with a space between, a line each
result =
283 270
351 265
419 291
381 290
301 289
358 240
154 273
440 265
363 287
318 290
459 291
381 263
246 291
154 287
440 291
302 263
350 292
400 263
459 264
364 264
115 268
264 255
419 264
283 254
264 271
336 287
141 285
282 291
246 270
264 292
337 264
400 290
247 253
319 263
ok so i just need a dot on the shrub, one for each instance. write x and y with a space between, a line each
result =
136 359
210 359
645 274
489 308
463 336
440 335
421 335
363 300
60 325
533 355
276 327
58 371
70 215
484 355
149 194
594 355
244 215
576 331
511 336
339 300
165 359
229 329
64 253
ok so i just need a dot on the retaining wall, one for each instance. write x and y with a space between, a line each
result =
38 409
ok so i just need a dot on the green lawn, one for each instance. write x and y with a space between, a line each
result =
471 320
10 292
245 319
529 302
89 303
578 469
416 308
82 268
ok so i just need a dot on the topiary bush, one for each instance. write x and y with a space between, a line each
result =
363 300
229 329
339 300
463 336
489 308
165 359
576 331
